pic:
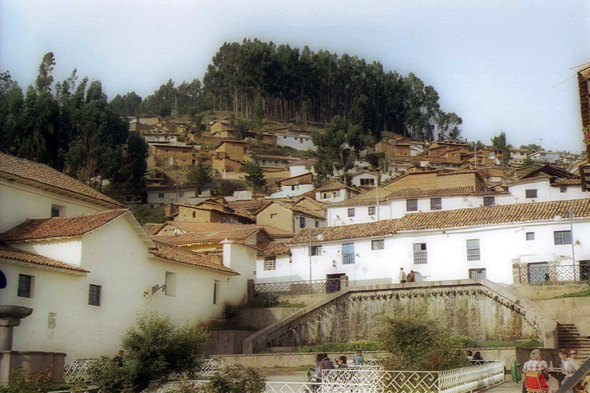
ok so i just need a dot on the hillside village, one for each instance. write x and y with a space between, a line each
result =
445 210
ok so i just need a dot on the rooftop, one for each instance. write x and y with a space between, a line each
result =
24 256
47 177
213 261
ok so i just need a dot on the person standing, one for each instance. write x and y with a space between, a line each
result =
402 275
411 277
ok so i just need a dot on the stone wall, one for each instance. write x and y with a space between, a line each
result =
543 291
569 310
479 309
263 317
223 342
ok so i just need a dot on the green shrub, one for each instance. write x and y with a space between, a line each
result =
238 379
109 377
417 343
460 341
21 381
269 299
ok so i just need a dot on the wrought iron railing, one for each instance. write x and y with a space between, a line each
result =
466 379
78 371
554 273
298 287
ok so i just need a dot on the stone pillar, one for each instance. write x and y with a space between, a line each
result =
516 273
344 281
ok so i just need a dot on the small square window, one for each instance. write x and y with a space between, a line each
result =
563 189
562 237
161 196
94 295
377 244
412 205
530 235
58 211
351 212
316 250
372 210
435 204
25 285
489 201
531 193
270 263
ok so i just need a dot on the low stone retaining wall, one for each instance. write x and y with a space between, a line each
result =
226 342
569 310
263 317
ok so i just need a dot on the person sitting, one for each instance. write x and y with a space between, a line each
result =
341 361
477 358
324 364
538 365
359 359
469 355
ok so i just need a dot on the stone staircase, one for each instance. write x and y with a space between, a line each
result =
569 338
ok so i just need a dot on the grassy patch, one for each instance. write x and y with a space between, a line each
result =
504 344
352 346
582 293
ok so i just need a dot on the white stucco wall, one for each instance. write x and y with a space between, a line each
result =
118 261
188 196
356 179
545 192
308 222
19 203
290 191
500 247
299 142
296 170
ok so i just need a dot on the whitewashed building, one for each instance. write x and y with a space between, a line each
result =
87 268
297 139
492 242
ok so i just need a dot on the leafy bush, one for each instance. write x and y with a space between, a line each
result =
269 299
417 344
234 379
109 377
460 341
352 346
21 381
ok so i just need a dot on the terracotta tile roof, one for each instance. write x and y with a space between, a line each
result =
199 227
24 256
567 182
274 248
416 192
208 237
332 187
213 261
503 214
47 176
58 227
355 231
152 229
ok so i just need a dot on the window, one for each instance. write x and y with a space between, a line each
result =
270 263
420 256
372 210
25 285
181 194
348 253
477 273
94 295
54 212
412 205
531 193
215 292
273 216
530 235
58 211
301 222
367 182
316 250
377 244
489 201
473 250
325 195
194 214
317 224
563 189
336 194
435 204
562 237
170 284
161 196
351 212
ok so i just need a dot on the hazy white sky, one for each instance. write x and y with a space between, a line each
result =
496 63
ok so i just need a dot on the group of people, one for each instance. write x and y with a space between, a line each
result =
569 365
403 277
323 362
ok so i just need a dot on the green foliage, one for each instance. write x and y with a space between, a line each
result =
459 341
199 175
238 379
230 313
582 293
254 175
145 214
516 343
109 377
499 143
45 79
127 105
156 348
352 346
269 299
228 187
21 381
417 343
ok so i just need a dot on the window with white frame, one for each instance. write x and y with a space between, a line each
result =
270 263
531 193
351 212
367 182
477 273
316 250
420 256
562 237
94 295
348 253
530 236
412 205
372 210
435 204
473 253
377 244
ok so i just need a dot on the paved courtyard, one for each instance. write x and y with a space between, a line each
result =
511 387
